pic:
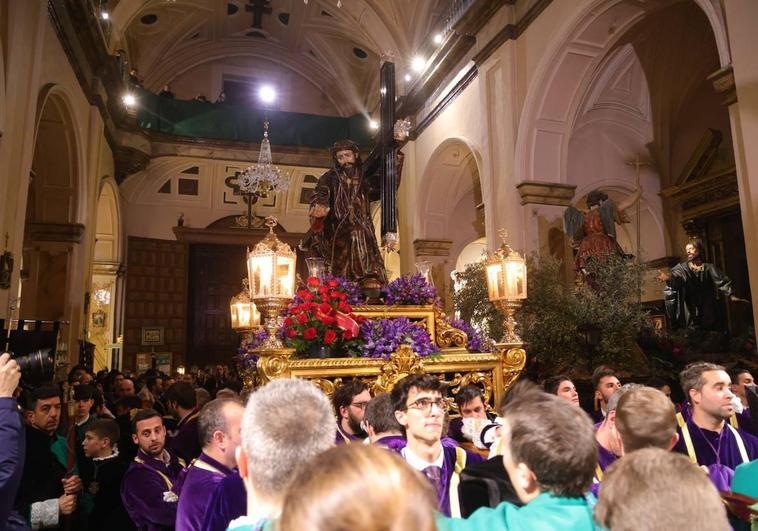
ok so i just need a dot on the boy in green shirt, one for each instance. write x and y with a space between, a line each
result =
550 455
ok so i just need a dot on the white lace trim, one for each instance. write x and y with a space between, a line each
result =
44 514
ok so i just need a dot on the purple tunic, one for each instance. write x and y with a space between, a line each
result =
186 442
202 478
446 476
605 458
705 441
228 502
146 491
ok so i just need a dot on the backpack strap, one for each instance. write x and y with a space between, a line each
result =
455 479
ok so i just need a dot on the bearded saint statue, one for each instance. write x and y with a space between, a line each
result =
342 231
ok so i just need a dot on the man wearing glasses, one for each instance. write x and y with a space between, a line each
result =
350 400
420 409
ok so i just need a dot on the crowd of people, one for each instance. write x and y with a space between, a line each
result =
191 453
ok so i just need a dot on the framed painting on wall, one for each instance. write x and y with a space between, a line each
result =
152 335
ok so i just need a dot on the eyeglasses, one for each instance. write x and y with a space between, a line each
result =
361 405
424 405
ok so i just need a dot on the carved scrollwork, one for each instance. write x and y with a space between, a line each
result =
447 335
327 386
402 363
514 360
459 381
273 364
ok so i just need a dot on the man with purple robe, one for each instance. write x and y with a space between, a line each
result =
219 430
182 403
350 400
381 425
420 409
228 502
706 436
151 486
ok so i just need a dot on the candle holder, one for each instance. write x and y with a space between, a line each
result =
506 286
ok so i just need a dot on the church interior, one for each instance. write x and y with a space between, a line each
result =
122 207
363 193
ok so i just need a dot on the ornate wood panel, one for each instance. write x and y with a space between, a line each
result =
156 295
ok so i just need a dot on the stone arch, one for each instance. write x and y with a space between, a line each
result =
562 78
564 102
55 206
106 286
450 207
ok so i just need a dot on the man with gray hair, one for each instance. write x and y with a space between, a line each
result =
218 428
609 446
286 423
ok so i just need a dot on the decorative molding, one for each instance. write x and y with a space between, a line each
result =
702 157
716 192
544 193
106 268
459 87
723 82
55 232
432 247
231 235
664 262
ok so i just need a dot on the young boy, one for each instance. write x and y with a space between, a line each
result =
550 456
99 442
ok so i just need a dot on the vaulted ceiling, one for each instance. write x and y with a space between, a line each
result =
330 51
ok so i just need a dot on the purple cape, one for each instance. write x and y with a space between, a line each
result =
392 442
143 488
729 453
229 501
202 478
186 442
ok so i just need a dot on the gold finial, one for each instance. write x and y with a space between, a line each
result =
271 223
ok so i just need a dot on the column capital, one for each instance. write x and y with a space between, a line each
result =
723 82
432 247
544 193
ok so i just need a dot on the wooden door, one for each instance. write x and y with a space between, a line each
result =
215 275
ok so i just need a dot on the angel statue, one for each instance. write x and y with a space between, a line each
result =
593 231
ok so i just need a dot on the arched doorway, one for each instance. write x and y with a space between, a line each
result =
51 231
103 324
450 209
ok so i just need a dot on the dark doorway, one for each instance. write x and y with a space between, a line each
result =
215 275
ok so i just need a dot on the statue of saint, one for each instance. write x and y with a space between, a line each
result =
342 231
692 291
593 231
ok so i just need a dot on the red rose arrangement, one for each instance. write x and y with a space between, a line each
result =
321 316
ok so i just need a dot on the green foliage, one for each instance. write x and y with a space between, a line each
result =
558 320
474 305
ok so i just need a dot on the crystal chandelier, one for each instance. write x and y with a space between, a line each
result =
263 179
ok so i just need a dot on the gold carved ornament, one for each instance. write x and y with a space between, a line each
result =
403 362
459 381
446 335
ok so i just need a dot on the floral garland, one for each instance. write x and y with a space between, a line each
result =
410 289
384 336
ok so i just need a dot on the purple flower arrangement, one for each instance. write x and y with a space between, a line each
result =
410 289
246 358
382 337
477 341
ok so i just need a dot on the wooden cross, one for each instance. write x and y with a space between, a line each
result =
258 8
387 156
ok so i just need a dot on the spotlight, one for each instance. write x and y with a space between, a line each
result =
129 100
438 38
407 77
104 15
418 63
267 94
373 124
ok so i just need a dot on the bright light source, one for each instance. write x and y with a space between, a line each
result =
407 77
104 15
129 100
267 94
373 124
438 38
418 63
383 91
